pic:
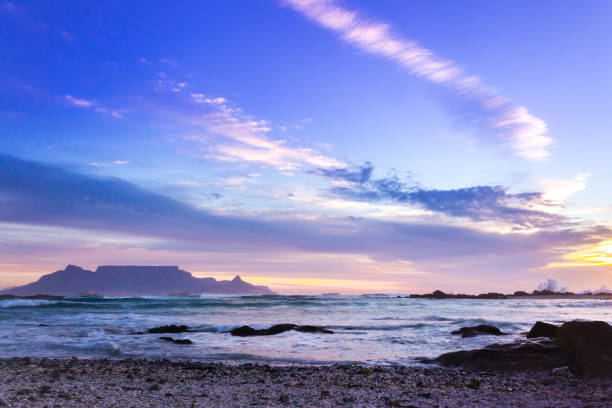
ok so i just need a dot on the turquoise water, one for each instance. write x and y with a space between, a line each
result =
375 329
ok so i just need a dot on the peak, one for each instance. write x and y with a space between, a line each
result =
237 279
73 268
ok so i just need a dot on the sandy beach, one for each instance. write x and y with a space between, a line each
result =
26 382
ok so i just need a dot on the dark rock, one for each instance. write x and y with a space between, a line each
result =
541 329
514 356
176 341
438 294
520 293
478 330
246 331
169 329
588 346
313 329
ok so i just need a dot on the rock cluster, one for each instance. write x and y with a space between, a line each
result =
246 331
586 347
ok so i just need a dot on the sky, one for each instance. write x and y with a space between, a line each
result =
310 145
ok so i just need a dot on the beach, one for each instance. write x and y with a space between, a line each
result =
26 382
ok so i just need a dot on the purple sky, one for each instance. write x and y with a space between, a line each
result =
310 145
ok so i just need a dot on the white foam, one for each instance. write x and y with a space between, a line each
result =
6 303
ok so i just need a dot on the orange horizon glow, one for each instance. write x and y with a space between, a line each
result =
600 255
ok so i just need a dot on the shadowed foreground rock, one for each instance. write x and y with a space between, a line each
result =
478 330
246 331
589 347
586 347
514 356
541 329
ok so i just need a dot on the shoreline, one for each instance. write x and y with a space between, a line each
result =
28 382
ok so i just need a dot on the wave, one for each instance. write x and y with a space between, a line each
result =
381 327
11 303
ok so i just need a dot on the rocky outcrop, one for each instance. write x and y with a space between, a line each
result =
438 294
541 329
478 330
514 356
588 346
247 331
169 329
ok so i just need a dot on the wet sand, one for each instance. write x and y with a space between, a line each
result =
26 382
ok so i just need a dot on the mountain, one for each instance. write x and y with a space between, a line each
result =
133 281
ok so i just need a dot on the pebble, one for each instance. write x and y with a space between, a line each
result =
147 383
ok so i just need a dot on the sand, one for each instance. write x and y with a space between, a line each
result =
146 383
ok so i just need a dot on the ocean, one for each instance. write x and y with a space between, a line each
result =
369 329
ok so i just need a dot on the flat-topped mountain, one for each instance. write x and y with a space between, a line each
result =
133 281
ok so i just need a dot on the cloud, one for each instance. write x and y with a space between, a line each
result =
481 106
170 61
253 145
83 103
115 162
86 103
559 190
40 194
477 203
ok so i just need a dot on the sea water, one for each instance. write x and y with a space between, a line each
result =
370 329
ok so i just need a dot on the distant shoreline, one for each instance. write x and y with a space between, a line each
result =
433 296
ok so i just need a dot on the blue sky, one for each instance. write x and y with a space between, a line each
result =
311 145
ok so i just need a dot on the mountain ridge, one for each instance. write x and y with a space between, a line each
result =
132 280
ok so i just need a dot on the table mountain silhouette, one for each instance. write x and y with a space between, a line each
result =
132 280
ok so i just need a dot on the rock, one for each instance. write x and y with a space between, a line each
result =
169 329
588 346
246 331
513 356
478 330
176 341
541 329
313 329
520 293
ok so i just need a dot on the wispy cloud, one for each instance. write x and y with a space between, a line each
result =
40 194
83 103
559 190
251 134
484 108
115 163
87 103
477 203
